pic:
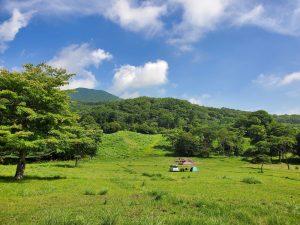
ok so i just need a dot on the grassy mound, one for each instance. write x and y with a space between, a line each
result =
125 144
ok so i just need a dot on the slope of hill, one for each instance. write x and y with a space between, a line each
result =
126 144
92 96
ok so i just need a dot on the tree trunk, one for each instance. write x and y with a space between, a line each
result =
76 162
280 156
287 162
20 166
261 168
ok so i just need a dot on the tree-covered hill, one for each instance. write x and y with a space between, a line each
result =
91 95
290 119
152 115
140 113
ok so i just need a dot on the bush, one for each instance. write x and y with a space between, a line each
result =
103 191
261 159
158 195
89 192
109 220
251 180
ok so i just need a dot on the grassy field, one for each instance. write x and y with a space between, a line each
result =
129 183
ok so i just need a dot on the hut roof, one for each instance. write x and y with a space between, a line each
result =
182 161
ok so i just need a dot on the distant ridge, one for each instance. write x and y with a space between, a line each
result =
92 96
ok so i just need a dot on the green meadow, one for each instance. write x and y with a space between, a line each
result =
128 183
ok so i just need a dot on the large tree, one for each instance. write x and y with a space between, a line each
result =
33 111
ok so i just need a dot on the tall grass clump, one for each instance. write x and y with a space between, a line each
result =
103 191
109 220
89 192
157 194
251 180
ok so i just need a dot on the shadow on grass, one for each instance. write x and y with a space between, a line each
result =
64 165
10 179
166 148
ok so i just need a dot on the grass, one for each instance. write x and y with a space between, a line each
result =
251 180
138 189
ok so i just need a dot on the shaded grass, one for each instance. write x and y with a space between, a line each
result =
251 180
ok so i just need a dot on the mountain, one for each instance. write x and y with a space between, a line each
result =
92 96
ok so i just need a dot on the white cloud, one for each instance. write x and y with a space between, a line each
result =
10 27
129 79
197 100
127 95
130 14
275 18
198 18
271 81
194 18
136 18
290 78
78 59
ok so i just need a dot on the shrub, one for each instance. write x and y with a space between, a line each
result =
109 220
157 195
103 191
89 192
251 180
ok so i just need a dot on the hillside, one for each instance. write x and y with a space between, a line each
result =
92 96
152 115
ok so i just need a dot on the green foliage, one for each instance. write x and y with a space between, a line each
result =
92 96
251 180
155 115
36 118
103 191
89 192
298 144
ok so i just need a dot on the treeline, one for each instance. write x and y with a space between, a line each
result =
154 115
199 131
290 119
256 136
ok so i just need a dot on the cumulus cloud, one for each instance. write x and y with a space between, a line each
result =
129 79
197 100
10 27
198 18
129 14
271 81
136 18
78 59
193 18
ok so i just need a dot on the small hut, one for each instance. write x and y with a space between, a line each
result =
184 165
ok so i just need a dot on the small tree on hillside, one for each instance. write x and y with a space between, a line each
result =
32 109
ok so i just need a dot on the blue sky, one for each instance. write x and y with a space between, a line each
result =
222 53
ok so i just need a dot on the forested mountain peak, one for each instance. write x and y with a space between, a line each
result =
92 95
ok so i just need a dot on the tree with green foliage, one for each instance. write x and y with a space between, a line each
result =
261 153
256 133
298 144
229 142
282 146
34 113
